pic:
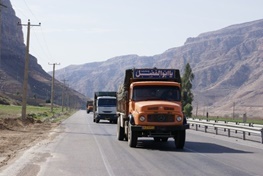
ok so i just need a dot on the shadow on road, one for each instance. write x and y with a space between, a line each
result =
199 147
202 147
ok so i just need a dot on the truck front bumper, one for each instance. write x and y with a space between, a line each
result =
159 131
106 116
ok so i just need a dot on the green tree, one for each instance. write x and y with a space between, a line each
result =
187 94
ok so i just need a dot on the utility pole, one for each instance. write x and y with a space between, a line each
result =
234 110
68 98
52 86
63 94
1 5
196 112
24 98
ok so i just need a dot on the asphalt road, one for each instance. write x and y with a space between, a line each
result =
81 147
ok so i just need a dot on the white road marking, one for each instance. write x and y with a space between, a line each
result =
103 156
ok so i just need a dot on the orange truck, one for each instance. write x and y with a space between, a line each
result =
149 105
89 106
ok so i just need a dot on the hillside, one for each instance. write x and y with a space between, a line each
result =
227 65
12 64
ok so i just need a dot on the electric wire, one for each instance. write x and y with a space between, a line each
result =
43 44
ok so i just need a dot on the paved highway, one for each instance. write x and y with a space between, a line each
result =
81 147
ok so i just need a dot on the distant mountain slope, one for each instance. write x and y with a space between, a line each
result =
227 65
12 64
228 68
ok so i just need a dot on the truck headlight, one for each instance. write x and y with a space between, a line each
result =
179 118
142 118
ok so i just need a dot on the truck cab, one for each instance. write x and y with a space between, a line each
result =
161 98
105 107
89 106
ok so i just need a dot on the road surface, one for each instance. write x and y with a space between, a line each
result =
80 147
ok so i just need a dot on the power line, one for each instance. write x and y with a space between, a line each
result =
42 43
30 10
46 43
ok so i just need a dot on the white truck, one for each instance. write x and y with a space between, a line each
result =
104 107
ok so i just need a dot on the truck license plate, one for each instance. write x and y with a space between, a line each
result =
148 127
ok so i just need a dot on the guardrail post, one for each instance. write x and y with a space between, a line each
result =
235 127
216 130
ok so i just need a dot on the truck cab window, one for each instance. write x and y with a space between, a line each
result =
107 102
171 94
168 93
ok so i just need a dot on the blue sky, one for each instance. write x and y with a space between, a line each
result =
83 31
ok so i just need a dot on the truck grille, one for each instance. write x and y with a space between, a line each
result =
157 108
107 112
152 108
160 118
168 109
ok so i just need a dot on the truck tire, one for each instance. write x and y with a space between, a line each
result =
97 120
94 118
179 139
120 131
132 137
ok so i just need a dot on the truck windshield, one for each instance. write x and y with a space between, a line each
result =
107 102
168 93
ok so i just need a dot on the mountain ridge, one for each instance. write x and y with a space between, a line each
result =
226 64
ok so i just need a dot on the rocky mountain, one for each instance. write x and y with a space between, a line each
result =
227 65
12 64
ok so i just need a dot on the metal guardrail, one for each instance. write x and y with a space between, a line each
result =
246 128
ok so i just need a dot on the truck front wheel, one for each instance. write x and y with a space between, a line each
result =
120 130
179 139
132 137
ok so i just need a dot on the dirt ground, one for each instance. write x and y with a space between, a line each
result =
17 135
